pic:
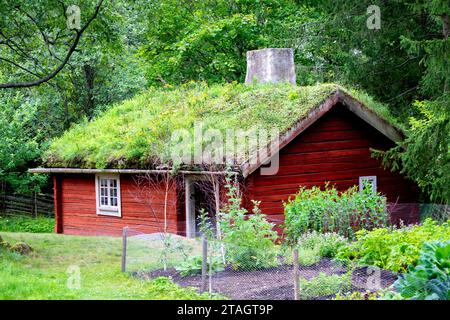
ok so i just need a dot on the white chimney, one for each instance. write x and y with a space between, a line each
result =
271 65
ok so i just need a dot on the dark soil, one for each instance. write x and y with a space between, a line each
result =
274 283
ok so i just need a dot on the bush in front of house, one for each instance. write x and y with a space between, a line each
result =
430 278
249 239
40 224
393 249
328 210
192 266
313 246
327 244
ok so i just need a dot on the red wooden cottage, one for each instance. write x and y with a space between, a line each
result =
113 171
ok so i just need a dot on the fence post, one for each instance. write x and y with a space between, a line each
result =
124 248
296 275
35 205
3 198
204 262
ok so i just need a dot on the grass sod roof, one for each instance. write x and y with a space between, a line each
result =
137 133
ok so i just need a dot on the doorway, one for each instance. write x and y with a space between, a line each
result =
199 195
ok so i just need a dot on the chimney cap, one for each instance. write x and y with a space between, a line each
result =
271 65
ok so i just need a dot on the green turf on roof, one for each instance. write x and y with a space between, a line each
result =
137 132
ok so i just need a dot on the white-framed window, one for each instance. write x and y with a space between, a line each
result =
371 179
107 189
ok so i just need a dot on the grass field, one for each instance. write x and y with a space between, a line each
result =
54 264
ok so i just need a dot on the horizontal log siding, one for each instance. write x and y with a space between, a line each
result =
142 207
336 149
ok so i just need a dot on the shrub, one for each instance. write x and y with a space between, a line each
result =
330 211
312 246
193 266
327 244
357 295
393 249
26 224
308 257
249 239
430 278
323 285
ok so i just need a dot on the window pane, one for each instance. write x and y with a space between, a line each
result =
108 192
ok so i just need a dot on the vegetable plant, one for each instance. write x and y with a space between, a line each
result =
324 285
249 239
430 278
193 266
393 249
330 211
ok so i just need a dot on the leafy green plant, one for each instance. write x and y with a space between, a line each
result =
249 239
327 244
323 285
193 266
393 249
308 257
382 294
357 295
330 211
430 278
173 246
312 246
26 224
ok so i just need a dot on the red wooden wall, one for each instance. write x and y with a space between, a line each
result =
336 148
142 207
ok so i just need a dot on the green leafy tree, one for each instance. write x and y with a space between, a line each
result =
425 155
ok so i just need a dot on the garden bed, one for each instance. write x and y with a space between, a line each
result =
271 284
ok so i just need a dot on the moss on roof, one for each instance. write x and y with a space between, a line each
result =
137 132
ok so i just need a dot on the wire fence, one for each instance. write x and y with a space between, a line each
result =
243 272
249 272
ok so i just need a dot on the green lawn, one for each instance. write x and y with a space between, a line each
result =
40 224
45 273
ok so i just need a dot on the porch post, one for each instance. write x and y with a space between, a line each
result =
190 214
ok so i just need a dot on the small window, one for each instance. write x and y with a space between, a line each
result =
108 195
368 179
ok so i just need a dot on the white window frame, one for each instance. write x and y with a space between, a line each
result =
108 210
373 179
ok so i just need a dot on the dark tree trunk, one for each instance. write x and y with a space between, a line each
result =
89 73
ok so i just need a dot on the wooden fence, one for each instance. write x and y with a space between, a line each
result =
26 204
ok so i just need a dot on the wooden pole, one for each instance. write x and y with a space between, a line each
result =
124 248
296 275
204 262
216 187
35 205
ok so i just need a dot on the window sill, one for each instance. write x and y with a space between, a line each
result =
113 212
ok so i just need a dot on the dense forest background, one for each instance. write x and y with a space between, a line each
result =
52 77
